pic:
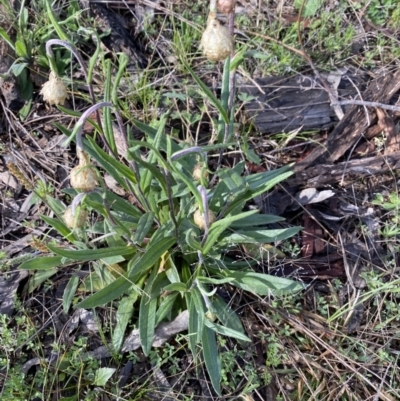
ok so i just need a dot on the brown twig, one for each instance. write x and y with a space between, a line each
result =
368 104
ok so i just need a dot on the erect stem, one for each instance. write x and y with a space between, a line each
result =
79 125
73 50
213 8
232 90
204 199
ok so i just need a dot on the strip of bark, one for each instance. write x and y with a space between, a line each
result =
324 174
348 130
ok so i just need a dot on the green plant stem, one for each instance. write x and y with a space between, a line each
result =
75 52
79 125
171 202
144 202
231 100
213 6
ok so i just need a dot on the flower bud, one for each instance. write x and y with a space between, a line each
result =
211 316
199 220
83 177
199 172
217 42
76 220
54 90
226 6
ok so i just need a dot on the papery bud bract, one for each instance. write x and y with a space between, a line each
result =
199 172
83 177
76 220
199 220
226 6
54 91
217 42
211 316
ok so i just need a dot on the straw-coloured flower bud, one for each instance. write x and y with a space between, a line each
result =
199 172
54 90
83 177
211 316
217 42
200 221
226 6
76 220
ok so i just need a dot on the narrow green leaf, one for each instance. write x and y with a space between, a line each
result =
94 59
180 287
18 68
147 322
124 314
309 7
266 180
42 263
153 253
146 129
123 60
166 306
125 282
69 292
150 146
121 205
55 205
40 277
5 36
152 168
117 170
59 226
258 236
238 59
220 226
189 183
227 316
107 294
49 11
147 313
256 220
232 178
225 90
198 304
20 49
107 123
193 324
143 227
216 281
63 129
226 331
147 176
190 236
208 93
264 284
92 254
103 375
211 358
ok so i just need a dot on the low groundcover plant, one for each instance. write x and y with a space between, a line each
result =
170 248
160 253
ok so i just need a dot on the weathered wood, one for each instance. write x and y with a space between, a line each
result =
119 39
290 103
354 123
323 174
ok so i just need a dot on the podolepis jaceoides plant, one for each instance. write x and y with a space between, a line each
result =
169 249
